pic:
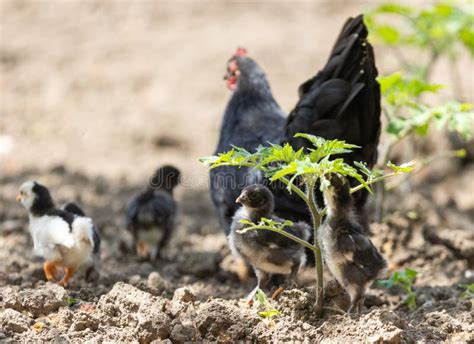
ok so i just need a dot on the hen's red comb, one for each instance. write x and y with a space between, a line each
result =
240 51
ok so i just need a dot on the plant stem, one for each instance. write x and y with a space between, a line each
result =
279 231
316 216
372 181
295 189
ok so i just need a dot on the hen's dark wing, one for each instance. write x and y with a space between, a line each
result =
343 100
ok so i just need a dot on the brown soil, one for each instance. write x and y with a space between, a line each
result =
95 94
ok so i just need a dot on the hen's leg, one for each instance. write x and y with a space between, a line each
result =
50 270
68 273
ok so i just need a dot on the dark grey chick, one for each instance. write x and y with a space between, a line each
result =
267 252
347 250
154 210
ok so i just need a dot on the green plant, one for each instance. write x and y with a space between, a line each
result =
301 171
262 300
71 301
468 292
442 29
408 117
403 279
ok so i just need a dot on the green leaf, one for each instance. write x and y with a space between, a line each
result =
403 168
388 34
410 274
410 301
315 140
269 313
468 292
246 222
395 9
261 297
71 301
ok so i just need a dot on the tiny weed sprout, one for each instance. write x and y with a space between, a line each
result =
71 301
262 300
403 279
468 292
302 172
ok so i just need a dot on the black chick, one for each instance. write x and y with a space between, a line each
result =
93 270
347 250
267 252
154 208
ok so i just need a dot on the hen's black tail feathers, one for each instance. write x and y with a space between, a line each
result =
343 100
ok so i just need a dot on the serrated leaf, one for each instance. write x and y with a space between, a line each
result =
261 297
269 313
246 222
410 301
403 168
410 273
71 301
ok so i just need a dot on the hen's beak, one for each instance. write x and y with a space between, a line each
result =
18 198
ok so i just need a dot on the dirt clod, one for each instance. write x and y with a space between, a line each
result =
13 321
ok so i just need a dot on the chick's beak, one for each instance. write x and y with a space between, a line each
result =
18 198
241 198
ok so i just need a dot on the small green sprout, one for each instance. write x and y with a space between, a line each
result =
403 279
468 292
71 301
263 301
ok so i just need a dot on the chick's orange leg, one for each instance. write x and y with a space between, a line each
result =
277 293
142 249
68 273
49 270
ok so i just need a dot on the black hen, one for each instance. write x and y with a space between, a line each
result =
342 101
251 118
154 209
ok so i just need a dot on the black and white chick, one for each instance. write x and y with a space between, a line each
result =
267 252
151 214
64 240
92 271
350 255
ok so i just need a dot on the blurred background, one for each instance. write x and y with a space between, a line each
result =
116 88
